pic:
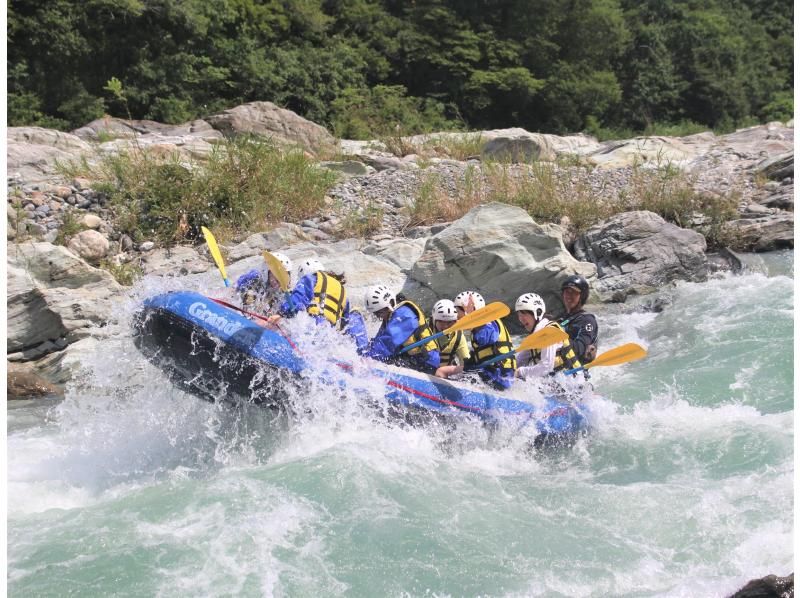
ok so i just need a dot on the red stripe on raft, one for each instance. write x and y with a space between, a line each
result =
414 391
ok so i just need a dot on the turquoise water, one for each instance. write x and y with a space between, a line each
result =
685 487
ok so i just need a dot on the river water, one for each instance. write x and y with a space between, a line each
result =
130 487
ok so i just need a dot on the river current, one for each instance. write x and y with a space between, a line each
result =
130 487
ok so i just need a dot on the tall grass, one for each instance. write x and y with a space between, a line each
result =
549 193
245 183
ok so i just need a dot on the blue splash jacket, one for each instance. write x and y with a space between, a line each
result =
392 334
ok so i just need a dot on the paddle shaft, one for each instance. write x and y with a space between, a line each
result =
479 317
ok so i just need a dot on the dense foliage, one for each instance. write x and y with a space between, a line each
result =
363 67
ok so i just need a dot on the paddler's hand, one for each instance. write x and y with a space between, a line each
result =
446 371
271 322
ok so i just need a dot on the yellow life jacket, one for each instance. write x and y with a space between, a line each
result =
565 356
423 330
330 298
499 347
447 345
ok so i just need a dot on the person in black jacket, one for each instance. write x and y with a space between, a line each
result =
580 325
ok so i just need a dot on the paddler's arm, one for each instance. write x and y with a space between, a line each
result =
388 341
300 298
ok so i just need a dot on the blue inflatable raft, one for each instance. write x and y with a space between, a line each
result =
216 352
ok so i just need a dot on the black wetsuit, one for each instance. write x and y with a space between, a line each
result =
582 330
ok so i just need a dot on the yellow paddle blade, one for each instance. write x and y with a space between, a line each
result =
622 354
214 249
484 315
549 335
277 270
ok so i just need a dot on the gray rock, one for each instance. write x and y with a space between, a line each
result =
282 235
92 221
639 252
347 167
175 261
519 149
268 120
765 233
499 251
402 252
89 245
777 167
54 294
770 586
146 246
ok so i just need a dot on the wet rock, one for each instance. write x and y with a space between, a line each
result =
23 382
770 586
639 252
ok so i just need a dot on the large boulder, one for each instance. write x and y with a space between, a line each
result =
639 252
502 253
268 120
518 149
765 233
32 152
54 298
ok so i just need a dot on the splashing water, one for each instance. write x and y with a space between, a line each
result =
130 486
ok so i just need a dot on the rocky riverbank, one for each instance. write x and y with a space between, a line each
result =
60 231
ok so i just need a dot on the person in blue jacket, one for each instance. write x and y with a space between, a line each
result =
488 341
259 291
403 324
322 294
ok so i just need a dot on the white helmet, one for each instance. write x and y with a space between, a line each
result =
379 297
531 302
445 311
310 266
462 299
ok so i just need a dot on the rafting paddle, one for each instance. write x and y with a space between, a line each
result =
616 356
278 271
484 315
549 335
214 249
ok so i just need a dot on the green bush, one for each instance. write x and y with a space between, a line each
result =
245 184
